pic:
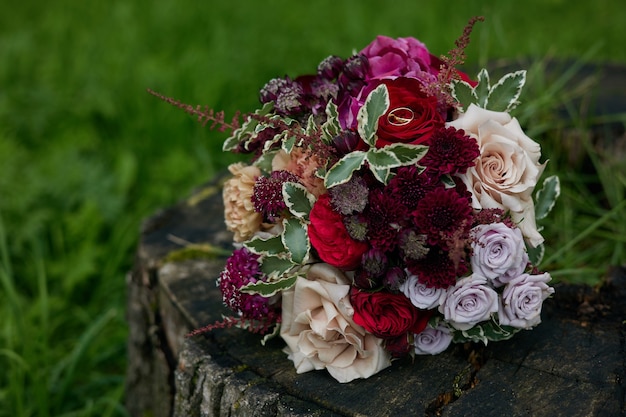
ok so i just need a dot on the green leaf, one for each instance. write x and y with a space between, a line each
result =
382 159
298 200
381 174
504 95
463 92
481 91
376 104
535 255
270 288
248 130
448 181
311 126
547 196
276 266
486 331
289 143
296 240
271 246
407 154
342 171
331 126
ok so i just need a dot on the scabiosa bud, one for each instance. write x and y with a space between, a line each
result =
356 67
267 195
394 277
286 94
413 245
350 197
346 142
365 281
356 227
374 262
330 67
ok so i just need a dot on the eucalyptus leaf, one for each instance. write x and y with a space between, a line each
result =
269 288
296 240
547 196
376 104
342 171
504 95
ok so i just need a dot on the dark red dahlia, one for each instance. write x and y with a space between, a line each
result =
409 186
441 214
385 217
437 269
267 195
450 151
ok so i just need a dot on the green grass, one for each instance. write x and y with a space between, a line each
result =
86 153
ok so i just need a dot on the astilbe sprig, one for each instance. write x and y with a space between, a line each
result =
203 113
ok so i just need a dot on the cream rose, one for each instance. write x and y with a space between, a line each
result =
239 213
318 328
508 168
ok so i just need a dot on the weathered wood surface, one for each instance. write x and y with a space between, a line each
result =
573 364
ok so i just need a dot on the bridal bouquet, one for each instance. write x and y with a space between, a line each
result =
388 209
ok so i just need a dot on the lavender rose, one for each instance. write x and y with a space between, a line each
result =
433 340
498 252
522 299
468 302
420 295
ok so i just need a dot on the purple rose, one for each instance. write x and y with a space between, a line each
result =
499 252
420 295
522 299
433 340
468 302
390 58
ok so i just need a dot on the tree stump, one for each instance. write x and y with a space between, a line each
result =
573 364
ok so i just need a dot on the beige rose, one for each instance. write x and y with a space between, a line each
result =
239 213
318 328
304 165
507 170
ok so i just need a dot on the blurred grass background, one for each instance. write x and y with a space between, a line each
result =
86 153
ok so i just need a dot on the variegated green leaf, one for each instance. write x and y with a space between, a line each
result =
298 200
376 104
296 240
547 196
271 246
289 143
342 171
448 182
264 161
331 126
504 94
535 255
247 130
481 91
463 93
382 159
270 288
311 126
407 154
275 266
382 174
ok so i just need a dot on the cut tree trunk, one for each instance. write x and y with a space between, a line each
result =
573 364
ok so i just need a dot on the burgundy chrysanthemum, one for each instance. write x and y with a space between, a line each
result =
243 268
450 151
385 217
267 195
436 269
409 186
441 214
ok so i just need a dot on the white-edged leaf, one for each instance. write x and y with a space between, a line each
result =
481 91
407 154
381 174
504 94
382 159
296 240
288 144
376 104
275 266
535 254
463 93
547 196
331 126
448 181
271 246
246 132
270 288
311 126
264 161
342 171
298 200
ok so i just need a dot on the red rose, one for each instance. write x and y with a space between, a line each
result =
385 314
412 116
330 238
